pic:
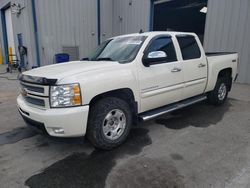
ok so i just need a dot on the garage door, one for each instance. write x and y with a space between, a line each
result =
185 15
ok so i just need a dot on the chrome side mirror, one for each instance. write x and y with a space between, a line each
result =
153 57
157 54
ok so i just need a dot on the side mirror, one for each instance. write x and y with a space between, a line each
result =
152 57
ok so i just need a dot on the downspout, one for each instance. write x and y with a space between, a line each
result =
98 22
33 4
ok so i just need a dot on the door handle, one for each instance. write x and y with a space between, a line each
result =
176 69
201 65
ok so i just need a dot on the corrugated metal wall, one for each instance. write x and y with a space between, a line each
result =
74 23
66 23
131 16
2 4
227 29
23 23
106 19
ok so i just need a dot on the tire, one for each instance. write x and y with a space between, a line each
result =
110 121
219 95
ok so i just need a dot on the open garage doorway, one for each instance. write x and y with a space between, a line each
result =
180 15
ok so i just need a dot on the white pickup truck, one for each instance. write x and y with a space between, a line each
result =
127 79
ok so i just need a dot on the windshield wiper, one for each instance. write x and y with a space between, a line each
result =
104 59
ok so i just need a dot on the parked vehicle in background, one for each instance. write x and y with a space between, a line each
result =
128 78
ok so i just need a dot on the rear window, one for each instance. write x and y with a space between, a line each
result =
189 47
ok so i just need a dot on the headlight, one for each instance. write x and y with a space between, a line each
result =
65 96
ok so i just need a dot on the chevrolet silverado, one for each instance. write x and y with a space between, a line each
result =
127 79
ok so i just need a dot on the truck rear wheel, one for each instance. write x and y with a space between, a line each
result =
109 123
219 95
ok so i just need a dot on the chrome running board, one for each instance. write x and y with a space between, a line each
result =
145 116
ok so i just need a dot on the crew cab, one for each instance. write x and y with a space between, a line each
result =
127 79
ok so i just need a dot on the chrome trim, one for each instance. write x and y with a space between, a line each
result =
176 69
45 92
145 116
45 99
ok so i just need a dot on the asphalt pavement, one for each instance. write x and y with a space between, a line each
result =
198 146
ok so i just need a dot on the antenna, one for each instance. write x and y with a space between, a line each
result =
141 31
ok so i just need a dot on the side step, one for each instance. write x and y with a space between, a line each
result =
145 116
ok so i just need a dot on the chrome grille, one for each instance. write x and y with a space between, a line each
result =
39 90
34 88
35 95
35 101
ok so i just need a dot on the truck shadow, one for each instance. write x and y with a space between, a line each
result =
82 170
198 115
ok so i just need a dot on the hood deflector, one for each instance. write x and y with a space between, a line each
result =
37 80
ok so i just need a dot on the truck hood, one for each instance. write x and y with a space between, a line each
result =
60 71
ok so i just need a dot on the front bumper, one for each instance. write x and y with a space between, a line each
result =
59 122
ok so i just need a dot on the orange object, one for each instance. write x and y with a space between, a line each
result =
1 56
77 96
10 55
77 99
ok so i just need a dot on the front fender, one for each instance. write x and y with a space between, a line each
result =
96 82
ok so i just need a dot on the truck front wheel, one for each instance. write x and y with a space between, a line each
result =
219 95
109 123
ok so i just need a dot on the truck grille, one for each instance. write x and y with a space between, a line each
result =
36 95
34 88
35 101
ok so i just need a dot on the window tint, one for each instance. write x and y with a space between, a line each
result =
189 47
164 44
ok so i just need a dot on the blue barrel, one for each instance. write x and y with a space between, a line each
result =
62 57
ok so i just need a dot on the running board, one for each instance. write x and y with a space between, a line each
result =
145 116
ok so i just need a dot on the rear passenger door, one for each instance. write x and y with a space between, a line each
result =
194 64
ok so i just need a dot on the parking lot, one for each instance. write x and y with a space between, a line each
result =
199 146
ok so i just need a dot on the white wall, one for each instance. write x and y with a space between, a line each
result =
66 23
131 18
227 29
107 11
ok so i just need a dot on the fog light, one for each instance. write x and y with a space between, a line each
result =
58 130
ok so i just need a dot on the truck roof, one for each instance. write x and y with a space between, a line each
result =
155 33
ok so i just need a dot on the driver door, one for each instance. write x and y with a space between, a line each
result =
161 83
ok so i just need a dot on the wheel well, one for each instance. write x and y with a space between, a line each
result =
125 94
226 73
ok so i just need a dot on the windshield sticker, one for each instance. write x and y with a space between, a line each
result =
135 42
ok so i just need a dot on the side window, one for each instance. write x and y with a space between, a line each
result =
189 47
163 44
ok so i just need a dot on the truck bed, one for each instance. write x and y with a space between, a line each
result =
219 61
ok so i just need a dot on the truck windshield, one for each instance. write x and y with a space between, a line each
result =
121 49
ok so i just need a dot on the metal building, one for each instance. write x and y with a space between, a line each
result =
49 27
